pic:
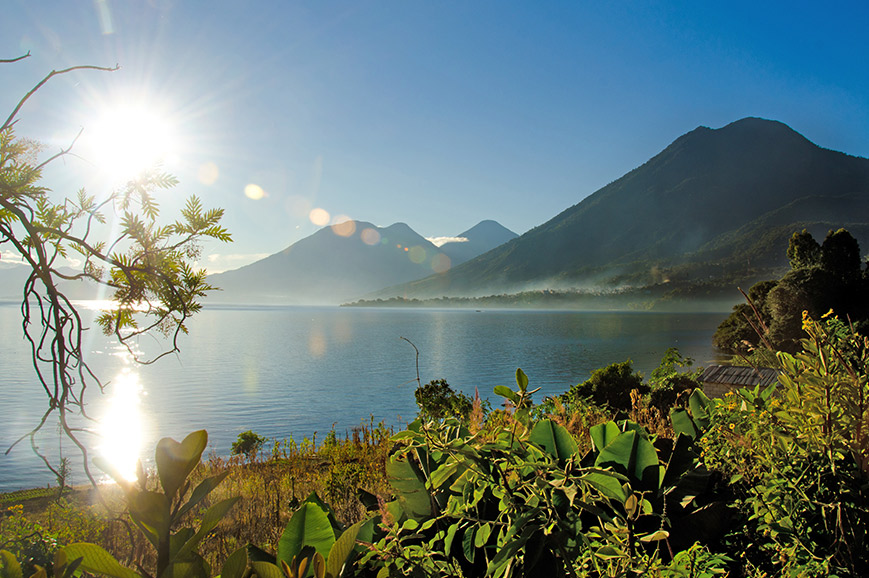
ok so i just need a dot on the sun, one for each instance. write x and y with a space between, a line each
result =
127 139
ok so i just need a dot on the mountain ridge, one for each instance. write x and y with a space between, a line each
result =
704 185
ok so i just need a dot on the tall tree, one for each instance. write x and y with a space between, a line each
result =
148 267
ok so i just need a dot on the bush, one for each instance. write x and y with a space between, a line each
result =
248 444
437 400
610 386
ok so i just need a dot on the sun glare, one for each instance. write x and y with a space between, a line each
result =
121 426
126 140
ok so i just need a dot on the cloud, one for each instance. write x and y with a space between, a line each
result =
441 241
218 263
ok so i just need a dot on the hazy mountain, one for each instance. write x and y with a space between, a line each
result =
13 277
479 239
332 265
716 202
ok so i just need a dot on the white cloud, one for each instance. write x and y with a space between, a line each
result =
441 241
218 263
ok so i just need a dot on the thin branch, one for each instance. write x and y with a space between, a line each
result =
48 77
11 60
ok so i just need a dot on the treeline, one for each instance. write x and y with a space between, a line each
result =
824 278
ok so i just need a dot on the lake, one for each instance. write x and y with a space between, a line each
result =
294 371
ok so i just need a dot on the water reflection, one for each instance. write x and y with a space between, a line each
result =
121 426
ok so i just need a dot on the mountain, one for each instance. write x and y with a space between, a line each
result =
346 261
479 239
716 203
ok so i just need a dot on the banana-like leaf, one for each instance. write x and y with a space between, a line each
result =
309 526
341 549
553 438
602 434
635 456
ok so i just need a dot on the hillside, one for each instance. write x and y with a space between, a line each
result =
349 260
717 203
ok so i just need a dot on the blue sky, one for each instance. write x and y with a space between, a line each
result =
439 114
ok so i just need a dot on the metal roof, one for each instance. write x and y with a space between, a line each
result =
741 376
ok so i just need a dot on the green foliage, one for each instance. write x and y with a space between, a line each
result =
667 381
610 386
437 400
517 499
248 444
797 457
159 515
822 277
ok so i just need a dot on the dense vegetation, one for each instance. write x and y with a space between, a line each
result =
822 278
760 483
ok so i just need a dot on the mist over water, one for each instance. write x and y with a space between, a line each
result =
284 371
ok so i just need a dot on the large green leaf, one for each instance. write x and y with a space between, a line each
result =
341 549
210 519
506 393
602 434
607 484
409 486
176 460
699 404
9 566
266 570
202 490
634 455
309 526
553 438
150 511
236 565
96 560
682 423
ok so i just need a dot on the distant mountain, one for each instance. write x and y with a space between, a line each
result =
479 239
344 262
715 204
13 277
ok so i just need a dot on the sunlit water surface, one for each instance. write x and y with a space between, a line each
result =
294 371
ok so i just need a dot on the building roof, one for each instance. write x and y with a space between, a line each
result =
741 376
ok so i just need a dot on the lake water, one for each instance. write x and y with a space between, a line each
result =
284 371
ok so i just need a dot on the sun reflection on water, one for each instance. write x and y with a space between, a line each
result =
121 426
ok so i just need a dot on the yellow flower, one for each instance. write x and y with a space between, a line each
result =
732 426
827 314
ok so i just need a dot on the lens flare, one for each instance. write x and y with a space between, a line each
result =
440 263
370 236
344 228
319 217
208 173
417 254
254 192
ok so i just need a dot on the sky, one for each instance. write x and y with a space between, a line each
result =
439 114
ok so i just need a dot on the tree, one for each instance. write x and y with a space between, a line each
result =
822 278
803 250
147 266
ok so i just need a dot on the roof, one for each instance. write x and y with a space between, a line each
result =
741 376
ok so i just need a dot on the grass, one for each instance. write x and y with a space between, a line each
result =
271 486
